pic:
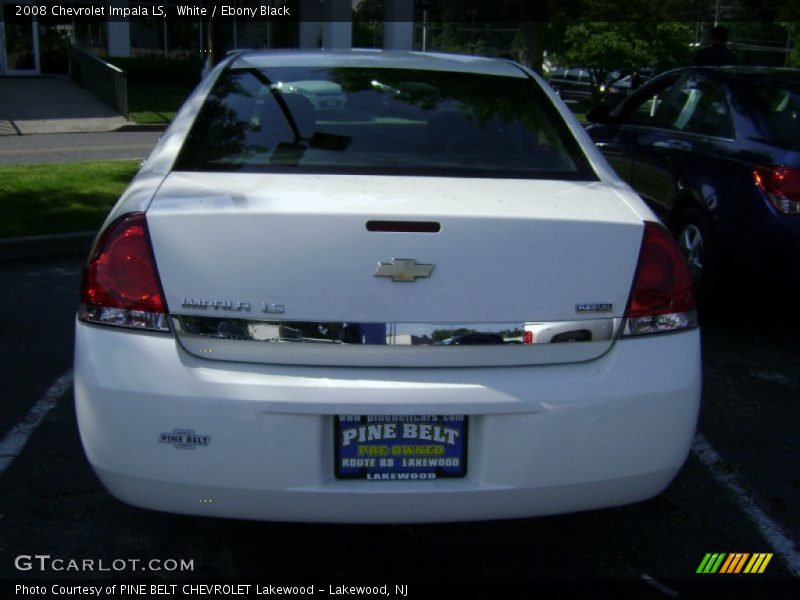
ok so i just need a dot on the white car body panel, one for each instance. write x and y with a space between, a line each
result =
294 233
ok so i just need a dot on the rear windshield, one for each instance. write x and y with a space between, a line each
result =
779 103
384 121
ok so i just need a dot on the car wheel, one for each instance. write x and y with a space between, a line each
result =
694 240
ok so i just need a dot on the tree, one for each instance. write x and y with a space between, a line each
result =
368 24
626 45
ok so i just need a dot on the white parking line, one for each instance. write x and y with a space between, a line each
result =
659 586
16 439
780 541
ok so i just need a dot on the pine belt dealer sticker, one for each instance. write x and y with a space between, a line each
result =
184 439
400 447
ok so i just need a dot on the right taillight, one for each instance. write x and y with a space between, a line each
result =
662 298
120 283
781 185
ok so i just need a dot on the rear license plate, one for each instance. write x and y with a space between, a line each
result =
400 447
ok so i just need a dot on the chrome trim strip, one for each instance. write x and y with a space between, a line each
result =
440 335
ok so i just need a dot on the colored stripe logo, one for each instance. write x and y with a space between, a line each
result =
737 562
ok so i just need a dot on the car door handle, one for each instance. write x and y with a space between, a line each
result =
674 145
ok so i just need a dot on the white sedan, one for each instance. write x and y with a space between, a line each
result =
268 316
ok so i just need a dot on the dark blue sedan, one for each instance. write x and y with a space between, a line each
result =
715 151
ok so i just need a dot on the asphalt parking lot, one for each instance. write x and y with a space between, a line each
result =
739 490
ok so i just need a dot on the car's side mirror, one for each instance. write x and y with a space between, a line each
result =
600 114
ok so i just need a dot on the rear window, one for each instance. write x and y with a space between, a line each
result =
779 104
381 121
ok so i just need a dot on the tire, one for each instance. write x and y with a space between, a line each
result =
693 234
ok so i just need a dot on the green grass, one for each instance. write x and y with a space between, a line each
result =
155 102
157 87
60 198
579 109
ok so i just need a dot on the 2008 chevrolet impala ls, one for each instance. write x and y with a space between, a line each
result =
383 287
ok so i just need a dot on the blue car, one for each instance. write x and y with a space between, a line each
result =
715 151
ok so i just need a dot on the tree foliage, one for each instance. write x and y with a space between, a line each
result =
603 34
598 33
626 45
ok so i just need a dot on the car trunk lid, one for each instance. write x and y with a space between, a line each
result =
246 259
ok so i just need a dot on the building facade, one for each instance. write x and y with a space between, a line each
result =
33 42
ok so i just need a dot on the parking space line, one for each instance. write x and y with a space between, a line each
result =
659 586
15 440
773 532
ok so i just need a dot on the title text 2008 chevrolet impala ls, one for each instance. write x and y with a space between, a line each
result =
383 287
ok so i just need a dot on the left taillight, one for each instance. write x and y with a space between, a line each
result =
662 299
120 282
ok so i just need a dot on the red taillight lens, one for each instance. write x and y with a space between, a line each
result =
662 298
120 283
527 337
782 186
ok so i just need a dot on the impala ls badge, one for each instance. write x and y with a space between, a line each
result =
403 269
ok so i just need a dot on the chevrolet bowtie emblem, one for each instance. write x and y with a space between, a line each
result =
403 269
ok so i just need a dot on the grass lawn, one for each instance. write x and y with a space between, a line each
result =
155 102
60 198
158 87
580 108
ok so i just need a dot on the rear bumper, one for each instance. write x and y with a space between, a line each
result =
542 440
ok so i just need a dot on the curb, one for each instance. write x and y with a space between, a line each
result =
142 127
34 246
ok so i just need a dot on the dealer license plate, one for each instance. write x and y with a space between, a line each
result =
400 447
